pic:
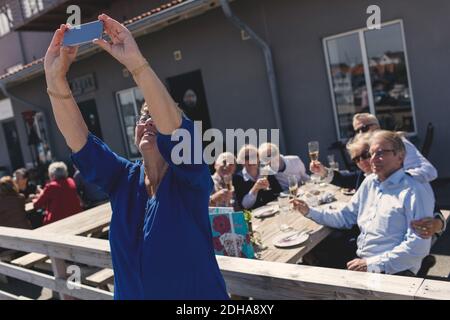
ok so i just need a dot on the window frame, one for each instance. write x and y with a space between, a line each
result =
7 14
362 42
27 8
122 120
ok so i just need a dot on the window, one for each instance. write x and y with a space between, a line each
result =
368 72
5 20
31 7
129 103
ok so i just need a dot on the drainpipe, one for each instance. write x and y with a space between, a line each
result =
22 49
269 66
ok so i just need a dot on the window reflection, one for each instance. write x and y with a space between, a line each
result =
388 73
387 68
349 84
130 102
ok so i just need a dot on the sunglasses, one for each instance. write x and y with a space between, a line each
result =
364 128
363 156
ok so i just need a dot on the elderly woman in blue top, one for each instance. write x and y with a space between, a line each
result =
160 235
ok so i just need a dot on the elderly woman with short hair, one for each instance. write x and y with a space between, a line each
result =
225 166
358 149
251 188
59 197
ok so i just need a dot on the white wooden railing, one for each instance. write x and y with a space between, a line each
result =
244 277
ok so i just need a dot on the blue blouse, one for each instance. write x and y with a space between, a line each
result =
161 247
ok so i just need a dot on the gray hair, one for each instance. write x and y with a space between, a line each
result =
392 137
228 157
367 118
360 141
266 148
57 170
252 152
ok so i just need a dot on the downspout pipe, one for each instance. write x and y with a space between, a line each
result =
269 67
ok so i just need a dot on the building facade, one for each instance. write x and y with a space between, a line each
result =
328 66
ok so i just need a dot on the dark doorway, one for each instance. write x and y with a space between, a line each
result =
90 115
13 144
188 91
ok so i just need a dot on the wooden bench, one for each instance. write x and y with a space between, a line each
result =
8 296
101 279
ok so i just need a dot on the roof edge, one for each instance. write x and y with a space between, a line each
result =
151 21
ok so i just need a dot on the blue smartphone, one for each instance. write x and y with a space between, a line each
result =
85 33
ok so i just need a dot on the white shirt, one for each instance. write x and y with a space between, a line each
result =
293 167
250 198
417 165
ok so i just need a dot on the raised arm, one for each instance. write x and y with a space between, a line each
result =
67 115
123 47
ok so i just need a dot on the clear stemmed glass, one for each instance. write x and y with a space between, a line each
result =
293 186
265 170
313 149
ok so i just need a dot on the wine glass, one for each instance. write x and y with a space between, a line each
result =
293 186
228 180
285 208
332 162
313 149
265 170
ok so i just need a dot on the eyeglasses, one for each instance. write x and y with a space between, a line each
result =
364 128
363 156
142 119
380 153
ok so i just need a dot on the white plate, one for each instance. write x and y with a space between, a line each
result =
290 239
348 192
265 212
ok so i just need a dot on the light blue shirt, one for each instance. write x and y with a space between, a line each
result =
417 165
383 212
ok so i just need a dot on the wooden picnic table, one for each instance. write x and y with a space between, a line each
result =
268 228
83 223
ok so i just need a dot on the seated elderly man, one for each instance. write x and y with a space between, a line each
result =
225 167
383 208
284 166
416 165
